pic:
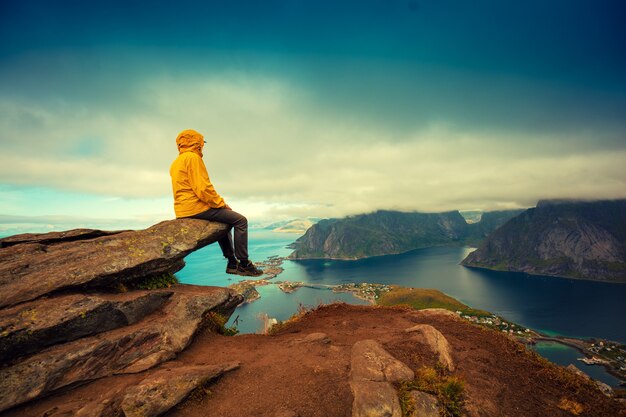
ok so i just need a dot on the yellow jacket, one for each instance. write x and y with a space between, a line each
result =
193 191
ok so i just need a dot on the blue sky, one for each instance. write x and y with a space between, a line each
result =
317 108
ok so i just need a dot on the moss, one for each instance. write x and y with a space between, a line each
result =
155 282
449 391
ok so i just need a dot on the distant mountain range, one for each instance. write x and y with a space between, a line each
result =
391 232
574 239
293 225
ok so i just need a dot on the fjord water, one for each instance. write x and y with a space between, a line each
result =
555 306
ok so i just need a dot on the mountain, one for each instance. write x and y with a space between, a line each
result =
390 232
575 239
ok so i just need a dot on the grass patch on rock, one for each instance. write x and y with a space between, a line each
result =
449 391
155 282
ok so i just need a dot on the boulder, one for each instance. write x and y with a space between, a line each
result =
372 370
165 388
371 362
424 405
129 349
374 399
30 270
32 326
437 343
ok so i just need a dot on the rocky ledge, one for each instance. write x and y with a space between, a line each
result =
76 307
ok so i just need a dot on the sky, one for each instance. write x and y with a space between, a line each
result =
310 108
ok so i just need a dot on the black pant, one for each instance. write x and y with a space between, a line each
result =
233 219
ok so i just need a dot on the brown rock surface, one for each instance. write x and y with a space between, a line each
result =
30 270
62 324
374 399
425 405
125 350
435 341
371 362
372 369
30 327
165 388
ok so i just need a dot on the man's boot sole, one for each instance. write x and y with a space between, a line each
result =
232 271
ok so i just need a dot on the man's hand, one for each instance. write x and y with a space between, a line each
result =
226 206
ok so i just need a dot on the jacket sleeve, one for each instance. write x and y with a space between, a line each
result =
201 184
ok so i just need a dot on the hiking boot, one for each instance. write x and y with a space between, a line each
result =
247 268
231 267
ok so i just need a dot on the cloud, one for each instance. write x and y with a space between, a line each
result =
273 149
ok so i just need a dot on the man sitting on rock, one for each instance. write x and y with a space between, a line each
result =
195 197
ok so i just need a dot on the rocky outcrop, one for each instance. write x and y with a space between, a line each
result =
390 232
435 341
65 323
30 270
573 239
153 395
164 389
372 371
424 405
30 327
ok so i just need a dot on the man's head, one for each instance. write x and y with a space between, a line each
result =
190 140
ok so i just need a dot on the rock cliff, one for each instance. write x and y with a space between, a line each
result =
72 309
574 239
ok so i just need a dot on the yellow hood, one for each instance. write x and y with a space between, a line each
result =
190 141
